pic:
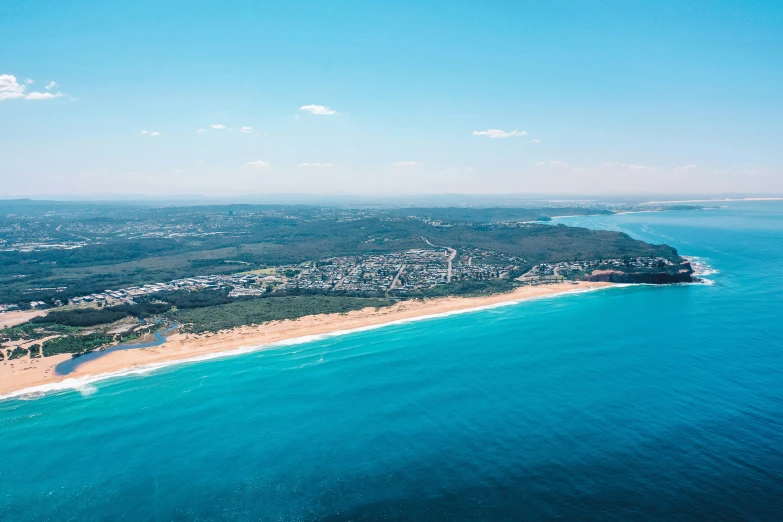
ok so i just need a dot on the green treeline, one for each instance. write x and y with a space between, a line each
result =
467 288
82 317
83 343
195 299
258 311
75 344
16 353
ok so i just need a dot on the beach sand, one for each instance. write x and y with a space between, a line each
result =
9 319
25 373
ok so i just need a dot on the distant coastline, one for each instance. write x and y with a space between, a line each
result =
35 376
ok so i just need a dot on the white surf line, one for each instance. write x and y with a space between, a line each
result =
702 268
77 383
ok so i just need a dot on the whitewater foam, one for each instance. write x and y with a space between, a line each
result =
702 268
84 384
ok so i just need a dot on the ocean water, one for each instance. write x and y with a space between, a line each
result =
634 403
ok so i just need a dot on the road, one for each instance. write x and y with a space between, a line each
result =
397 277
349 274
452 255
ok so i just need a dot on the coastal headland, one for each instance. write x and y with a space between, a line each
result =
32 375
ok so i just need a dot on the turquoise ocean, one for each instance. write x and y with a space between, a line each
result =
632 403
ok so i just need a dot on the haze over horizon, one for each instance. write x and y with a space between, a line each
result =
347 99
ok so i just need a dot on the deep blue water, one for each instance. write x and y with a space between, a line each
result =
627 404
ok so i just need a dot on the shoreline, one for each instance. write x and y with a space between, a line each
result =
37 376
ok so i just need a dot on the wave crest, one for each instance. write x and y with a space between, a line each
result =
84 385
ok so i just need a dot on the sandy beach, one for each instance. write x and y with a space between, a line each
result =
25 373
9 319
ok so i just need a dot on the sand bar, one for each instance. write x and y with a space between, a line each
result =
26 373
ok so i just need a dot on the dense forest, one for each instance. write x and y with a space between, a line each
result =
95 316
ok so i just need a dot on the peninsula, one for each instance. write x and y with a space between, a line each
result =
107 280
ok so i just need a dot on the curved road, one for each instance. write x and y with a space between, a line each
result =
452 255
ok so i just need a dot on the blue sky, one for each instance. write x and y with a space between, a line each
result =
606 97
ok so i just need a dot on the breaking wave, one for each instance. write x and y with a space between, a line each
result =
85 384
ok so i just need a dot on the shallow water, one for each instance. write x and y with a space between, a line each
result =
628 403
70 365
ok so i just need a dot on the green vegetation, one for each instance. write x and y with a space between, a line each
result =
19 332
469 288
189 241
257 311
94 316
195 299
75 344
17 353
81 317
80 249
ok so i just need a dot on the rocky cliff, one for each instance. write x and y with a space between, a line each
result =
682 273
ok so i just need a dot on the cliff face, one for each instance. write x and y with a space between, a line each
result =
683 273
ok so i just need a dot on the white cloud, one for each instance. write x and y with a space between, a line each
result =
408 164
628 166
535 140
29 81
10 88
315 165
246 129
685 168
145 132
497 133
42 95
50 86
155 133
218 126
320 110
258 164
554 163
201 131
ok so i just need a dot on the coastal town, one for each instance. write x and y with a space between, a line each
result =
75 279
569 270
395 273
400 274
